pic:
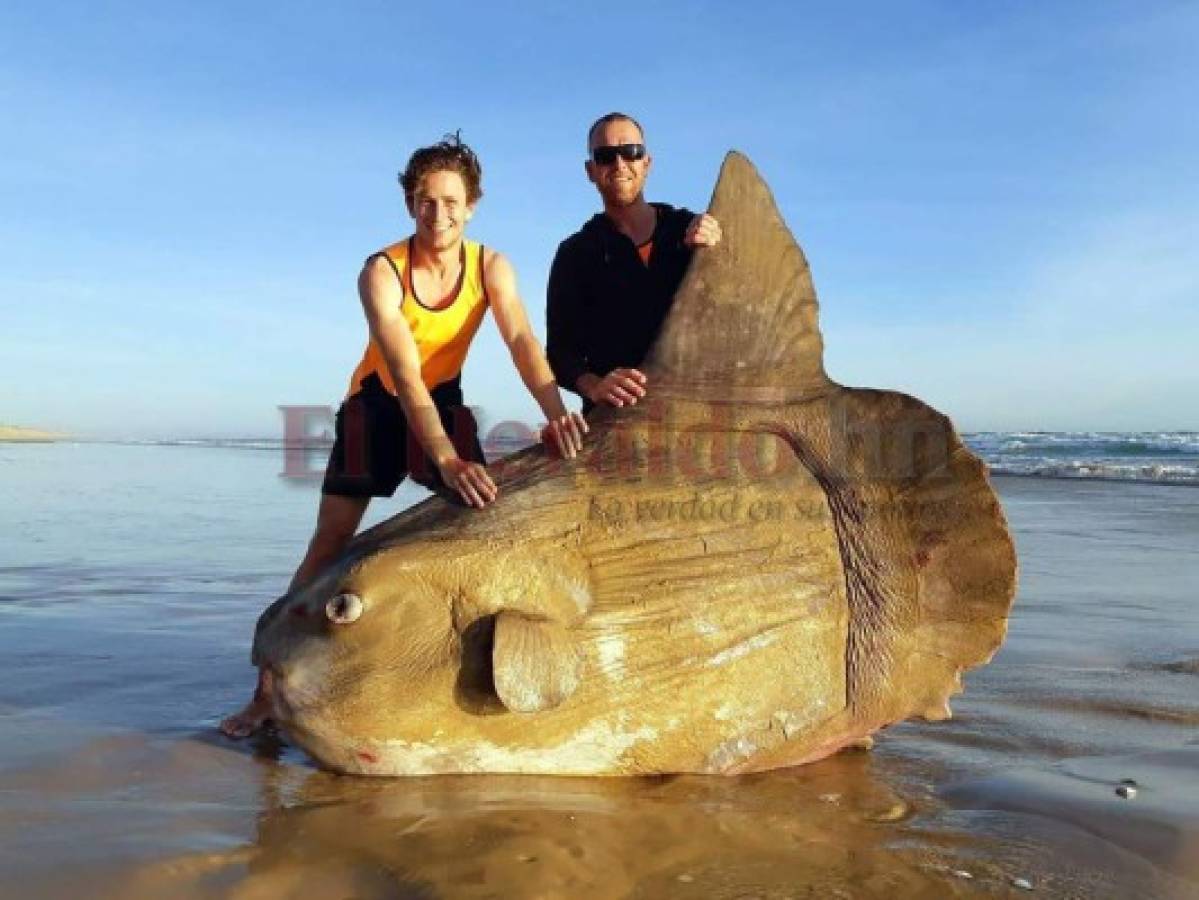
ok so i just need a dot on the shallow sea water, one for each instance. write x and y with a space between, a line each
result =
130 579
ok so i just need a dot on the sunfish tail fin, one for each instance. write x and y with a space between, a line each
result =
746 312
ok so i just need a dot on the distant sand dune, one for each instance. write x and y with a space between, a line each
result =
17 433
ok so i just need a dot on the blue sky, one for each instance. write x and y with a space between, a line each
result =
999 200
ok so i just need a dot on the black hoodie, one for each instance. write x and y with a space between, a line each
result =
604 305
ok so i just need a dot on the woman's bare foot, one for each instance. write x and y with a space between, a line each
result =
254 714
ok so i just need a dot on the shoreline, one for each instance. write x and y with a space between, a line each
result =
13 435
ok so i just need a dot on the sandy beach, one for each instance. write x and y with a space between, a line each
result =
130 579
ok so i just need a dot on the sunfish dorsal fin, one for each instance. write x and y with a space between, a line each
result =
746 312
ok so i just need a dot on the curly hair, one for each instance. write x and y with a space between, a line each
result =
450 154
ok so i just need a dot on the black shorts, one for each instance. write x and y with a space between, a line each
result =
374 450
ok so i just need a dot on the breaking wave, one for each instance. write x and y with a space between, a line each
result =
1165 457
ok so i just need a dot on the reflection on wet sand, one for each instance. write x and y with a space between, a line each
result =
857 825
836 829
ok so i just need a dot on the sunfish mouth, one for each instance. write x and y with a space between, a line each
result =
295 669
290 694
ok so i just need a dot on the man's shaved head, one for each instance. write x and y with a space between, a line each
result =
611 117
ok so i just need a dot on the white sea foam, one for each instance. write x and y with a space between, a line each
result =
1164 457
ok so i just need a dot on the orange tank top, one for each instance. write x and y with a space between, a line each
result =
442 334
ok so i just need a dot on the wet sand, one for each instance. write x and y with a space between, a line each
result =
127 596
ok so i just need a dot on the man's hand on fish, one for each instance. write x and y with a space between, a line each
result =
704 231
470 480
619 387
564 435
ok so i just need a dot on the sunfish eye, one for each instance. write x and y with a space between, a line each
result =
344 609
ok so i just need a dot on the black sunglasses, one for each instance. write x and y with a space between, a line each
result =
605 156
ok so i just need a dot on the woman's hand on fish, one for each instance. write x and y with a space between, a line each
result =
470 480
565 434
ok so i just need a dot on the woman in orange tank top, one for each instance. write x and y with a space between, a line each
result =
424 299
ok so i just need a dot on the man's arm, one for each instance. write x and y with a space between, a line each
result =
565 429
381 296
566 346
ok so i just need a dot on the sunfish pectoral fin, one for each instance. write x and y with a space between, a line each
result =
535 662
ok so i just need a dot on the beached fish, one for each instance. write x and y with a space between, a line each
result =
753 568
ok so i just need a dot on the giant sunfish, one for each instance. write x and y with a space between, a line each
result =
752 568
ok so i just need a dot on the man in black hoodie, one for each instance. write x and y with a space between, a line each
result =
612 282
